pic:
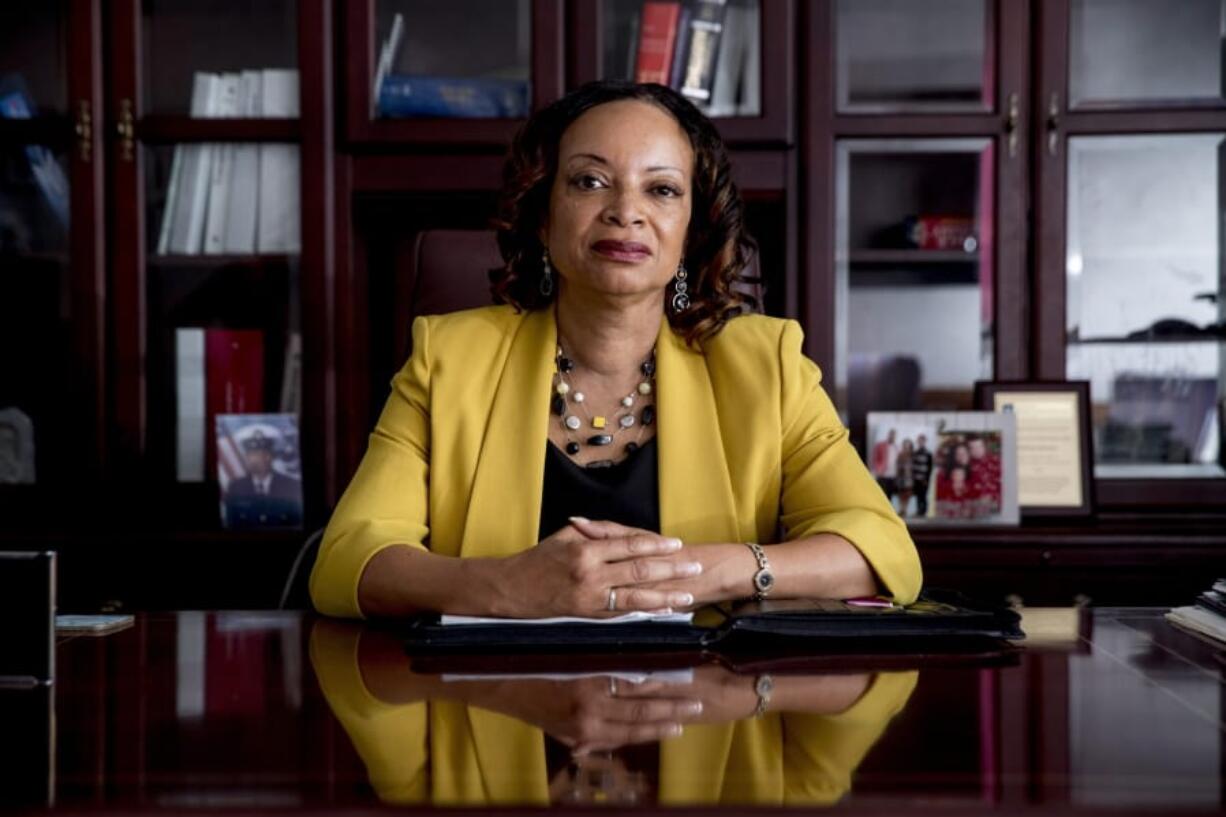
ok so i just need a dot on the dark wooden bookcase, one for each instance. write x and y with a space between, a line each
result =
142 421
371 185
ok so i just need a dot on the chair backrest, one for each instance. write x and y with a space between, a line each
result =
877 382
448 270
296 595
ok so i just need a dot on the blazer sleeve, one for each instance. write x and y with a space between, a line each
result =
387 501
826 486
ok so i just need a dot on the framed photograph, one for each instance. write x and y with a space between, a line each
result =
946 467
259 470
1054 443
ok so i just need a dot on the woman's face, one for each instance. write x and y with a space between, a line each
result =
962 455
620 204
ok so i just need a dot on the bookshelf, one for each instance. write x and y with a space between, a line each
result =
114 106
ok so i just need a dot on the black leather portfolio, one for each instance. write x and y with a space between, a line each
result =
938 620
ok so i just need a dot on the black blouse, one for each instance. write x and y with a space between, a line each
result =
627 492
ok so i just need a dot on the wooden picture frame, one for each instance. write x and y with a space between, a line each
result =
1072 496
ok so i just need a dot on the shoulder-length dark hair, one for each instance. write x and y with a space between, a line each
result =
718 248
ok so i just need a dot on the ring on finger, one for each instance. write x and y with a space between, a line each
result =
611 605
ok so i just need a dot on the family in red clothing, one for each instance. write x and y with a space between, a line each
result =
963 477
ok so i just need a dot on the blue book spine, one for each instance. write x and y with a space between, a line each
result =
401 95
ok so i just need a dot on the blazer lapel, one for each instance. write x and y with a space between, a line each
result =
696 502
504 508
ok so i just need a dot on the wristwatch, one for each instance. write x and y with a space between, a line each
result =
764 579
763 687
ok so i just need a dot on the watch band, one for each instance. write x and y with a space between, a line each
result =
763 579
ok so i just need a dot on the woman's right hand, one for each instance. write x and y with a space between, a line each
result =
568 574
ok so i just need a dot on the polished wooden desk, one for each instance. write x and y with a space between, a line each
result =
260 711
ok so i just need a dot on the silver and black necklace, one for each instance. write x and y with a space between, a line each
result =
567 403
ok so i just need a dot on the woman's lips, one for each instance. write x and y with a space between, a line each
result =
622 250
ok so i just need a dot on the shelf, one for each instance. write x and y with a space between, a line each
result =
1147 340
172 129
911 256
53 130
209 261
444 132
11 260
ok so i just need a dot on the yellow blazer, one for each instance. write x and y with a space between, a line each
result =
747 439
448 753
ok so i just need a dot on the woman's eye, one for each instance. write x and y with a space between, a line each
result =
587 182
668 191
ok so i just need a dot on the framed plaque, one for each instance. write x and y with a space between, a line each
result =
1054 443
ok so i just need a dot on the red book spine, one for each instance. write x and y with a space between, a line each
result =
233 377
657 40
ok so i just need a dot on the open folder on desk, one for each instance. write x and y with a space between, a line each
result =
937 617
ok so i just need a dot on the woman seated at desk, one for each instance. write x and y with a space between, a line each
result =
618 433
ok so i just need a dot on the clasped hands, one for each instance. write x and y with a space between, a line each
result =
572 571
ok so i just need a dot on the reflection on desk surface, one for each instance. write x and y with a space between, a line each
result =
681 737
225 710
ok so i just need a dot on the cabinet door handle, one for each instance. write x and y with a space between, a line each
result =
1011 125
125 128
1053 124
84 129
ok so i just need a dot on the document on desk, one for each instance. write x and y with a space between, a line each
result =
629 618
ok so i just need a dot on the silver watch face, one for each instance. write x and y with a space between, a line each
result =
763 581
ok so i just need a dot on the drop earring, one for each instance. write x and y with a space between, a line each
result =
681 298
546 286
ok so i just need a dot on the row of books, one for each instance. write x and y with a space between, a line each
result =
235 198
1207 616
221 371
709 50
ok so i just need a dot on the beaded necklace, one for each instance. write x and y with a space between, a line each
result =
605 428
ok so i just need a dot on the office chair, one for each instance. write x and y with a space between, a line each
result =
448 270
296 595
444 271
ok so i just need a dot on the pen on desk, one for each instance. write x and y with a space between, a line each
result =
871 601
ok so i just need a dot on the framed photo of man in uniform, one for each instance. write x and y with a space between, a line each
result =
1054 443
259 471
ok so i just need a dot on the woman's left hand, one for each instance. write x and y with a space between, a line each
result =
727 569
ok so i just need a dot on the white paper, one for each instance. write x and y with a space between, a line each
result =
628 618
681 676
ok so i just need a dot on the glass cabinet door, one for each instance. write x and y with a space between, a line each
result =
50 277
223 321
185 39
33 54
1145 52
467 59
36 349
1146 320
209 269
710 51
913 274
900 56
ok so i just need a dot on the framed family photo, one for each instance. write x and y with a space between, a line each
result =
1054 442
946 467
